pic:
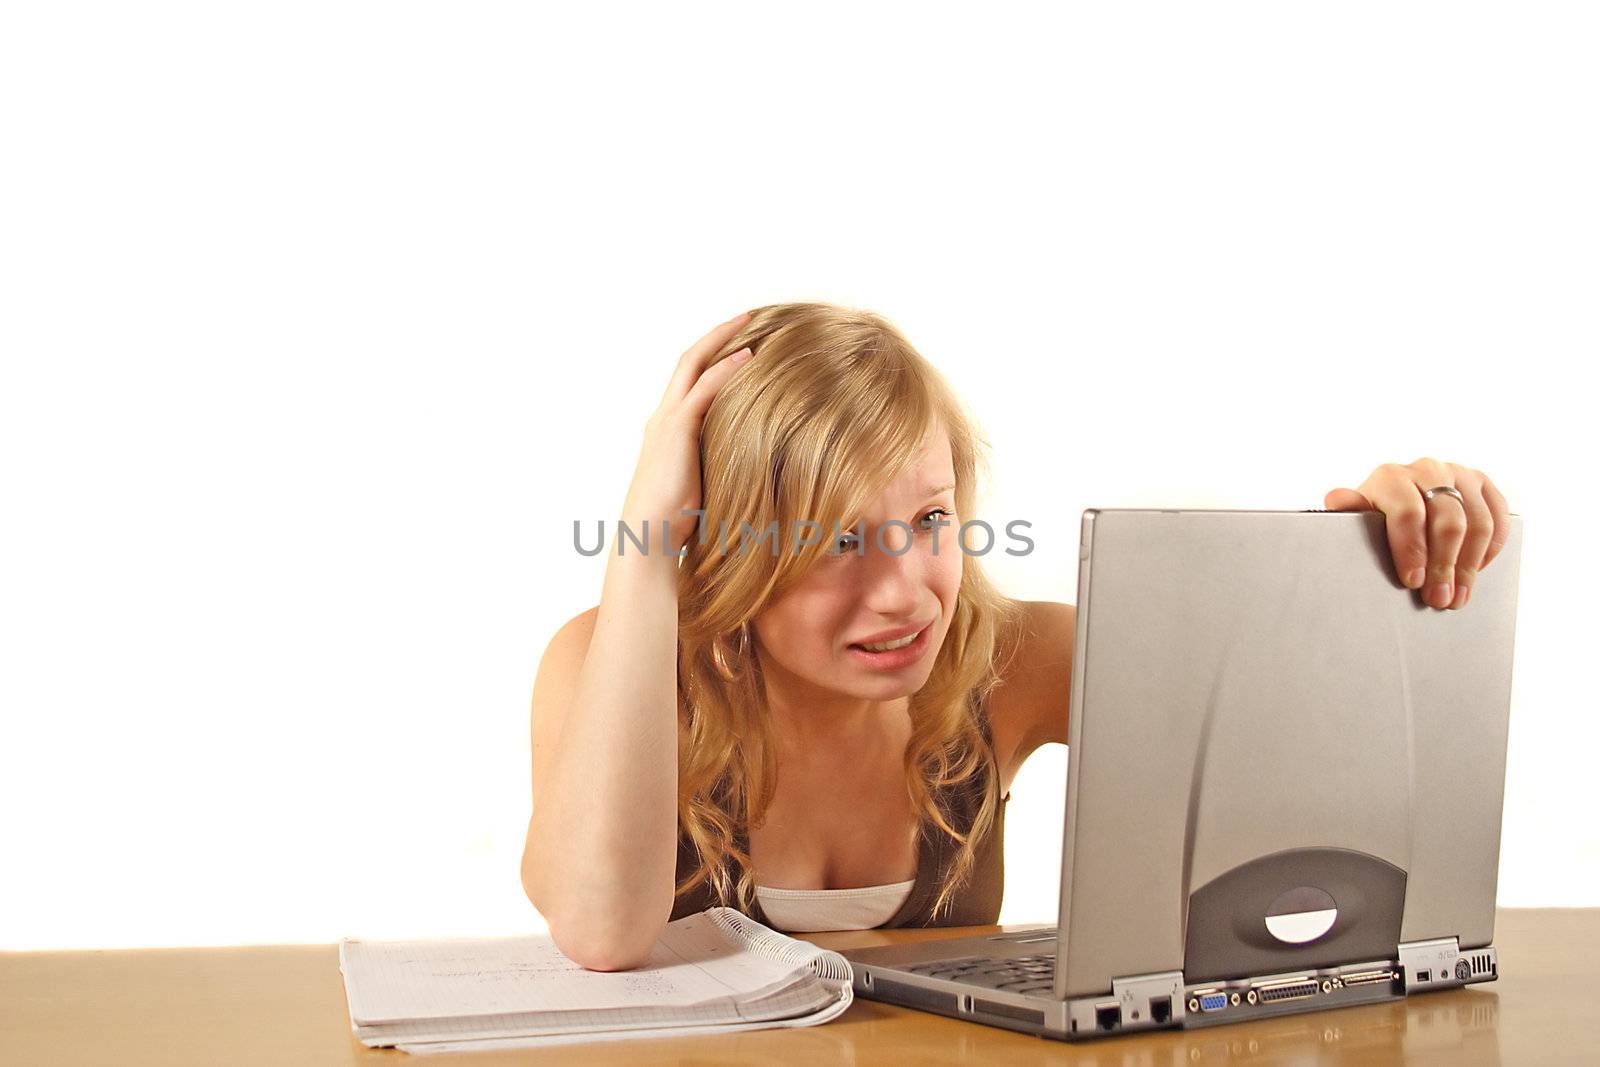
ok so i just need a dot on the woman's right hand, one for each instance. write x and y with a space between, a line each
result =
666 482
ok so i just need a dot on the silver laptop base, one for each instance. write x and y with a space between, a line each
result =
1164 1001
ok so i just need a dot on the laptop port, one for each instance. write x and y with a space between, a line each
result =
1366 977
1213 1001
1423 976
1108 1017
1288 989
1160 1009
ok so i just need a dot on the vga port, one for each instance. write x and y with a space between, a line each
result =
1293 989
1213 1001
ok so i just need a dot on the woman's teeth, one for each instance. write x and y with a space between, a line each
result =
889 646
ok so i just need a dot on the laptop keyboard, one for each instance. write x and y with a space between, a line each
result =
1019 974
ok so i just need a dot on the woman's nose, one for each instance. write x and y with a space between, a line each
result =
894 574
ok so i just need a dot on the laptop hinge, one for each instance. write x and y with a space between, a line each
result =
1439 963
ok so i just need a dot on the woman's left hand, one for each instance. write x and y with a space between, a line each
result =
1442 541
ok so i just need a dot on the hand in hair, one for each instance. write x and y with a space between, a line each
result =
666 482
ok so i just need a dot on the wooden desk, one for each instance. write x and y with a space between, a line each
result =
285 1005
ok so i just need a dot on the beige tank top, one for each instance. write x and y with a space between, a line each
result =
806 910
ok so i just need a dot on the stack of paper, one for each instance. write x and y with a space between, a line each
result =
712 972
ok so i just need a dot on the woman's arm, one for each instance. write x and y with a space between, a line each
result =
601 852
1030 706
600 861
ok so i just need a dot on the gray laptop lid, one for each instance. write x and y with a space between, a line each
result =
1264 720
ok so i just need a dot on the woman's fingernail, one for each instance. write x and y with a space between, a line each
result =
1441 596
740 356
1415 579
1462 593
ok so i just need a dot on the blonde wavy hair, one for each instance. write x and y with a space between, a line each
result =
835 403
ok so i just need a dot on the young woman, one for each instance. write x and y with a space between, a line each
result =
816 715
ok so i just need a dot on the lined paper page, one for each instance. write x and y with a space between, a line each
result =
694 962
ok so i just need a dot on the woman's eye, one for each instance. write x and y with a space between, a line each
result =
850 543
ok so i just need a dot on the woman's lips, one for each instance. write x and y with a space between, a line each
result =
885 636
898 658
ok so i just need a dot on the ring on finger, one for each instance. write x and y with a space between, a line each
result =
1447 490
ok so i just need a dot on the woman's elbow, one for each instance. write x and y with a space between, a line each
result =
601 947
587 936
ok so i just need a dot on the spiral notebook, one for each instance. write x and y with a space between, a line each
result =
713 972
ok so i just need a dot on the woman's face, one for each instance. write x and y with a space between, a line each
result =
815 634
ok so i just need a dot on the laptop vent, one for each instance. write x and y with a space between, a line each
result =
912 996
1008 1011
1482 964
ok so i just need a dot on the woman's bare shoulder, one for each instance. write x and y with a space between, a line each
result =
1029 705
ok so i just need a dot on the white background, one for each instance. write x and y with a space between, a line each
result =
321 323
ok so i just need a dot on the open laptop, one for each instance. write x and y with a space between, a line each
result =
1284 786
